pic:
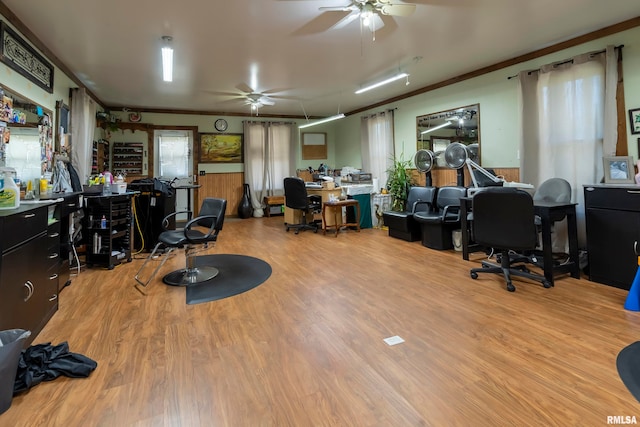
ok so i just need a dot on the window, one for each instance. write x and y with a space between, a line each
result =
174 153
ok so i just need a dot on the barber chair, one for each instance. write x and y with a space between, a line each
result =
210 219
296 197
437 226
402 225
504 220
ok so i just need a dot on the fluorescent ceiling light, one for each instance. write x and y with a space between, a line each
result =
167 59
382 83
435 127
328 119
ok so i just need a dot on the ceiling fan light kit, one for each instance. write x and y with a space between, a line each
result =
383 82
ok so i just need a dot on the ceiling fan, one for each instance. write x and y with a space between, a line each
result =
251 97
370 12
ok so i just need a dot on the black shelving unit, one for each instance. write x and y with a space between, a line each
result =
128 158
107 245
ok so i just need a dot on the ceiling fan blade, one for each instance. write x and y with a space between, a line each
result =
398 9
321 23
217 93
243 87
337 8
346 20
266 101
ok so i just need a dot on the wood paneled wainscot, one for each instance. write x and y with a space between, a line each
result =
227 186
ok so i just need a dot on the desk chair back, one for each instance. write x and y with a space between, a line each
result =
504 218
295 193
553 190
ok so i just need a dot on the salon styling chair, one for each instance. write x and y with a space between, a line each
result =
296 197
504 219
197 235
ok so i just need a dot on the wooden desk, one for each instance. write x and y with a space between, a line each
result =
336 206
293 216
548 213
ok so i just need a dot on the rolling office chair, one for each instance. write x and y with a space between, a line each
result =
504 220
211 216
296 197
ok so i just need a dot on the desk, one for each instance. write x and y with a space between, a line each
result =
548 213
293 216
337 206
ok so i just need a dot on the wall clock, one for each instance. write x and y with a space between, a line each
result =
221 125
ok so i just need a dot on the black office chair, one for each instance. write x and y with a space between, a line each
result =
211 217
504 219
296 197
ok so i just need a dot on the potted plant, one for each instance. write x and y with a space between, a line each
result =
399 180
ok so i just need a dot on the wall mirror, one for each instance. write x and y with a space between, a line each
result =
27 136
435 131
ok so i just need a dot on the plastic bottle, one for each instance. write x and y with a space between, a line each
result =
103 222
10 195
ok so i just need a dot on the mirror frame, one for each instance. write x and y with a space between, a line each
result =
467 135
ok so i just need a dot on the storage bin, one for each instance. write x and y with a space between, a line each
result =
11 342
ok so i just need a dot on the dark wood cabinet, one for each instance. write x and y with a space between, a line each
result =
613 233
28 268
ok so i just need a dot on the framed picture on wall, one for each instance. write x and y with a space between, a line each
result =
634 120
221 148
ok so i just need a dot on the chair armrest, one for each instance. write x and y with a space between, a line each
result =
451 209
418 203
207 237
165 220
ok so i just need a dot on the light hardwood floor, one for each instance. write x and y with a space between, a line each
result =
306 348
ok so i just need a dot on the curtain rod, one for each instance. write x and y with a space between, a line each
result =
567 61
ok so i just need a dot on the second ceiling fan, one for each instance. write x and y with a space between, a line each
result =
370 12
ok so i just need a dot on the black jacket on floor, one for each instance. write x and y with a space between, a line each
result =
45 362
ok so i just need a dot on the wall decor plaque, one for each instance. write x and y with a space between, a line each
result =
16 53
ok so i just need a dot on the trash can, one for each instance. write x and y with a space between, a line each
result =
456 238
11 342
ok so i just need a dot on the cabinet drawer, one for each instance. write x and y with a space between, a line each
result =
23 226
627 199
53 237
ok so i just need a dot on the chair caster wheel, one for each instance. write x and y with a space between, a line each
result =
474 275
546 284
510 287
287 229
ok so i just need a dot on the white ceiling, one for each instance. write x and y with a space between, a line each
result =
113 47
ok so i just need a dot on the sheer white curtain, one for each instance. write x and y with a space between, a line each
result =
376 144
563 124
269 158
83 127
